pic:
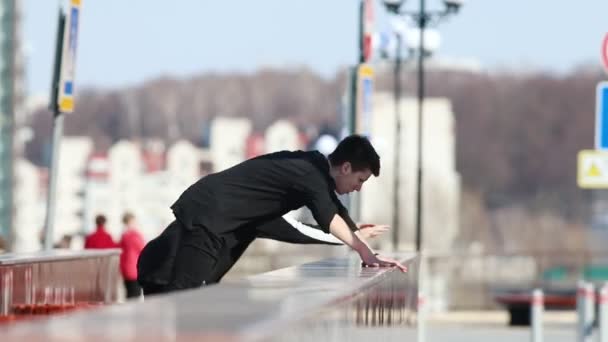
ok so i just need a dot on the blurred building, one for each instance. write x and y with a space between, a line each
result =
282 135
441 181
73 156
125 170
128 179
29 214
11 100
227 142
183 160
146 179
96 193
440 187
255 145
104 183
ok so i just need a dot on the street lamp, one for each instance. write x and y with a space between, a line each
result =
422 19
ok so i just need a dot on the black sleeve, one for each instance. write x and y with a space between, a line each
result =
281 230
318 198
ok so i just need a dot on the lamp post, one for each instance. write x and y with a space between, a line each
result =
422 19
397 155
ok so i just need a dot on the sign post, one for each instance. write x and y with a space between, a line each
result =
365 90
366 30
605 52
62 101
65 99
361 85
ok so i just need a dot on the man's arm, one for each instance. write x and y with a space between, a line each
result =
343 212
286 229
290 230
319 199
340 229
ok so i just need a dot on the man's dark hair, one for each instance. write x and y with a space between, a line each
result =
100 220
359 152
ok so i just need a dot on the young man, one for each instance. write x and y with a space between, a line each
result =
218 216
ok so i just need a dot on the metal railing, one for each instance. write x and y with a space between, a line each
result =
329 300
48 282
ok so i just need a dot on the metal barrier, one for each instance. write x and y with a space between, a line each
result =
55 281
475 279
329 300
588 304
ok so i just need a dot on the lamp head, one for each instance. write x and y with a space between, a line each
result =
453 6
393 5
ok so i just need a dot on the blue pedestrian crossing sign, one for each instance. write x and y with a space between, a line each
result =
601 116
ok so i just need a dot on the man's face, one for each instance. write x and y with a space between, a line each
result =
348 180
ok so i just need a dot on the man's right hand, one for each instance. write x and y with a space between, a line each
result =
371 260
340 230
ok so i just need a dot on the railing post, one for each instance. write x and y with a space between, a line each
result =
536 313
585 311
6 285
603 313
421 317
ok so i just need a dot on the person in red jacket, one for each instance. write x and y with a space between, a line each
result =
131 244
100 238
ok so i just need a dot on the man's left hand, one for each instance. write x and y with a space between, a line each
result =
380 261
370 231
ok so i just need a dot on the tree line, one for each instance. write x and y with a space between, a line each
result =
517 133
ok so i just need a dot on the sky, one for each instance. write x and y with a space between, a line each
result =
124 43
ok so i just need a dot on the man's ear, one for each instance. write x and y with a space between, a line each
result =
346 168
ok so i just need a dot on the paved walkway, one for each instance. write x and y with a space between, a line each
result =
483 326
499 318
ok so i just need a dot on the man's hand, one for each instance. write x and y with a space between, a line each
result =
371 260
340 229
370 231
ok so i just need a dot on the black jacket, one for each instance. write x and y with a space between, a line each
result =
262 189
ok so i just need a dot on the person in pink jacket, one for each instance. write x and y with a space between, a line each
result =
131 244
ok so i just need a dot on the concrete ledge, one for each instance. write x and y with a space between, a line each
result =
329 295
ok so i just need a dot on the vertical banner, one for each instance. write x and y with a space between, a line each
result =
65 100
604 52
365 92
368 29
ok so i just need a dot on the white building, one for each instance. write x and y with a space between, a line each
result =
73 156
119 182
282 135
441 182
183 164
97 195
29 213
227 143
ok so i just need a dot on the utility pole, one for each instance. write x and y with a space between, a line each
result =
397 146
419 200
62 101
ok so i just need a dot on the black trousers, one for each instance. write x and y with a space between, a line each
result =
132 288
197 254
184 258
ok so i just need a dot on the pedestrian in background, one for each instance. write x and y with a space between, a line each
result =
131 244
64 243
100 238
